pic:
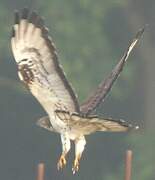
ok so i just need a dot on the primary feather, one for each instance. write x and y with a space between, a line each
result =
38 65
104 87
39 69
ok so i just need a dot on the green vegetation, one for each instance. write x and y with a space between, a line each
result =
90 36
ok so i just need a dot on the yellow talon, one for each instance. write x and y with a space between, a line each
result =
62 162
76 165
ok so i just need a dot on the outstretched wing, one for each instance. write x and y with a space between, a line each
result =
99 95
87 124
38 65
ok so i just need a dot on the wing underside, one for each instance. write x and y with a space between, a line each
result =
39 69
38 65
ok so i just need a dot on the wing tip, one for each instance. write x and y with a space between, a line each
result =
16 14
24 13
40 22
33 17
140 32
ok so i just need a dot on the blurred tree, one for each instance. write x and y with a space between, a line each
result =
143 158
144 14
90 37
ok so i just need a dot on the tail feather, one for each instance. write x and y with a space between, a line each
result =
90 124
87 125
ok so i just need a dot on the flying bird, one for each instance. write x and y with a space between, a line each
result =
39 69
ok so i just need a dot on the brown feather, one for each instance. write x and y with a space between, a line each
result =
104 87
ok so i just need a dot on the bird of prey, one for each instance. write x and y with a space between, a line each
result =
39 69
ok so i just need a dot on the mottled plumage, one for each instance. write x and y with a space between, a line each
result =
39 69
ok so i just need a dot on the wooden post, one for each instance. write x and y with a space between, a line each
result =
128 165
41 171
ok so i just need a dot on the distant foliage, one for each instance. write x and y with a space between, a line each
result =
90 37
143 146
81 34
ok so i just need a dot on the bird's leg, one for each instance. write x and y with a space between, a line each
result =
79 148
65 148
